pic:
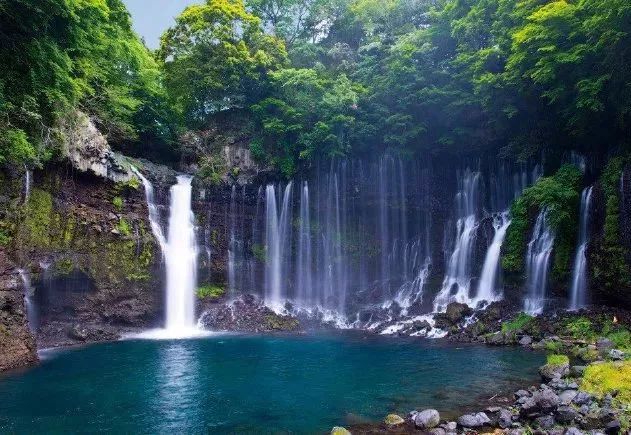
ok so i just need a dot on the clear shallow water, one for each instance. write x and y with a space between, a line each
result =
253 384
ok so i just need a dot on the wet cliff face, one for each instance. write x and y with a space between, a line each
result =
92 261
17 346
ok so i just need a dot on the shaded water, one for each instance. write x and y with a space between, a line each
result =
252 384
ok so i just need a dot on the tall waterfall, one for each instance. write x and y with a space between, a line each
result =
29 300
538 263
28 183
277 233
181 259
487 287
458 276
180 255
578 294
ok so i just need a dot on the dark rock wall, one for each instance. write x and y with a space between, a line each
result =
17 345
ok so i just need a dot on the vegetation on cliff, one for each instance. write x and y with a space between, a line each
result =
559 195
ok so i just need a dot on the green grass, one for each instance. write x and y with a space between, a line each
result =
600 379
210 291
580 328
557 360
117 201
518 323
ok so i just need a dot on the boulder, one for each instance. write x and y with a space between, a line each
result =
526 340
582 398
613 427
554 371
393 420
337 430
501 417
577 370
566 397
545 422
616 355
456 312
567 415
573 431
604 345
427 419
438 431
474 420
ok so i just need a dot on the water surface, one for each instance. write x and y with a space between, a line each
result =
253 384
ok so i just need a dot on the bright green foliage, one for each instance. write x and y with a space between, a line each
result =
611 275
559 195
600 379
117 202
211 291
60 55
517 324
217 58
557 360
580 328
310 117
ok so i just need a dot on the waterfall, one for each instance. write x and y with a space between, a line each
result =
180 255
232 243
411 292
304 278
487 289
181 259
458 275
29 300
538 262
578 295
28 183
154 215
277 230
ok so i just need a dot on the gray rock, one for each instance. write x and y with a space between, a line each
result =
393 420
438 431
545 422
457 312
604 344
613 427
426 419
567 396
573 431
517 431
526 340
451 426
521 393
577 370
474 420
78 333
549 371
616 355
547 400
567 415
582 398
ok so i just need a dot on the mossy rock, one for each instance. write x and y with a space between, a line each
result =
211 292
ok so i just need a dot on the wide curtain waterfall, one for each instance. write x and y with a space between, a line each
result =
578 292
363 233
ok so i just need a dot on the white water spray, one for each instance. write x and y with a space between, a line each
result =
578 295
29 299
180 254
487 287
538 258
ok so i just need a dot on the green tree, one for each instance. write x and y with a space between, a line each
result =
217 58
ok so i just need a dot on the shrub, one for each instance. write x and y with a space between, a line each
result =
210 291
557 360
559 194
117 201
600 379
123 227
518 323
580 328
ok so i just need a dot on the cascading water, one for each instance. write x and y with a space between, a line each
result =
487 287
28 183
181 259
276 237
458 276
578 294
538 262
29 299
180 255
